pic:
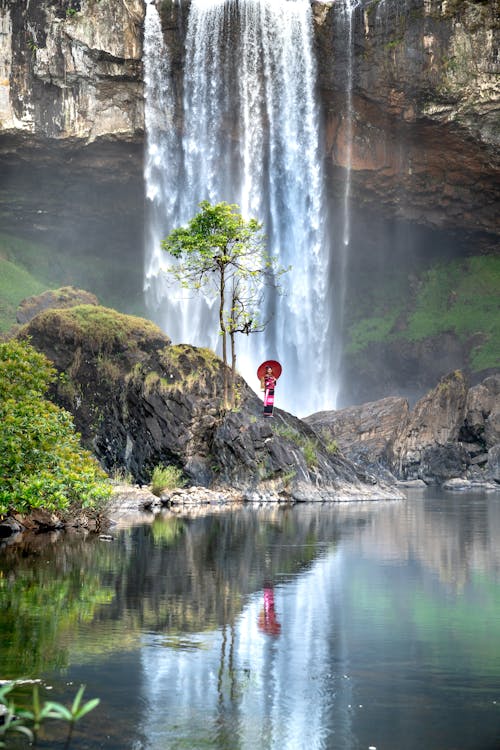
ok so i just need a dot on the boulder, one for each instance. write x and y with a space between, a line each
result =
436 420
443 462
65 297
482 412
493 465
365 433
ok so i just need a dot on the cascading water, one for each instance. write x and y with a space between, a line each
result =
250 135
342 254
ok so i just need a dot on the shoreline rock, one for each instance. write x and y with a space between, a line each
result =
451 435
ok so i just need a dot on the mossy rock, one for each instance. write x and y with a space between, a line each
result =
64 297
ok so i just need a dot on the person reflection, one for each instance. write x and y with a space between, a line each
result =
268 622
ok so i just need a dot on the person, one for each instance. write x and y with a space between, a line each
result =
268 384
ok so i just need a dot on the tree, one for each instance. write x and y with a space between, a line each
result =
220 250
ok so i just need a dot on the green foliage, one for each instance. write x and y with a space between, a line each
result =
42 464
463 298
166 478
331 445
28 721
310 451
16 284
460 297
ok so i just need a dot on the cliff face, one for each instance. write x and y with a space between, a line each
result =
69 73
425 95
425 106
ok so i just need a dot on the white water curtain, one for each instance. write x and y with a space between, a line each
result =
246 132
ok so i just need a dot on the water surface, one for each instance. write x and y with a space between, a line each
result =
338 627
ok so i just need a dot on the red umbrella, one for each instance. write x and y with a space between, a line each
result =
269 363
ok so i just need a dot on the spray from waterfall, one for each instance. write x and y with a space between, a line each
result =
347 20
250 135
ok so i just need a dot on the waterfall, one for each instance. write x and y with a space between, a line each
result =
250 135
341 280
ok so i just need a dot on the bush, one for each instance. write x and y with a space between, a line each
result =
166 478
42 464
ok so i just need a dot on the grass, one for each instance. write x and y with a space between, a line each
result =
166 478
101 327
16 284
28 268
307 445
459 297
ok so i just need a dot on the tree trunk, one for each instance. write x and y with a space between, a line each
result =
233 367
222 326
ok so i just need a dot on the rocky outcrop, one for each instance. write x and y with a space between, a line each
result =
61 298
366 433
140 402
450 434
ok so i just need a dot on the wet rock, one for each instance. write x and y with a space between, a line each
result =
493 465
442 462
10 526
365 434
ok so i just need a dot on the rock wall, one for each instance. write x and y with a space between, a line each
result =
426 98
426 106
68 73
452 433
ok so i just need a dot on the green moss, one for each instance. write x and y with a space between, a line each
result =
16 284
460 297
100 327
371 329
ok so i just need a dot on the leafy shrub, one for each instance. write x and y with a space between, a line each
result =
42 464
166 478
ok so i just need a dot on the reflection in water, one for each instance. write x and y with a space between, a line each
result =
336 628
268 621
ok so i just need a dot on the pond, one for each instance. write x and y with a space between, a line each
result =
335 627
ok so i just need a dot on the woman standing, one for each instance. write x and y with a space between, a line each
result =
268 383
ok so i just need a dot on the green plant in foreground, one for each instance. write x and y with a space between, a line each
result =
42 464
166 478
17 719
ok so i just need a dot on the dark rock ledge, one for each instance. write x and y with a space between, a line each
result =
450 438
